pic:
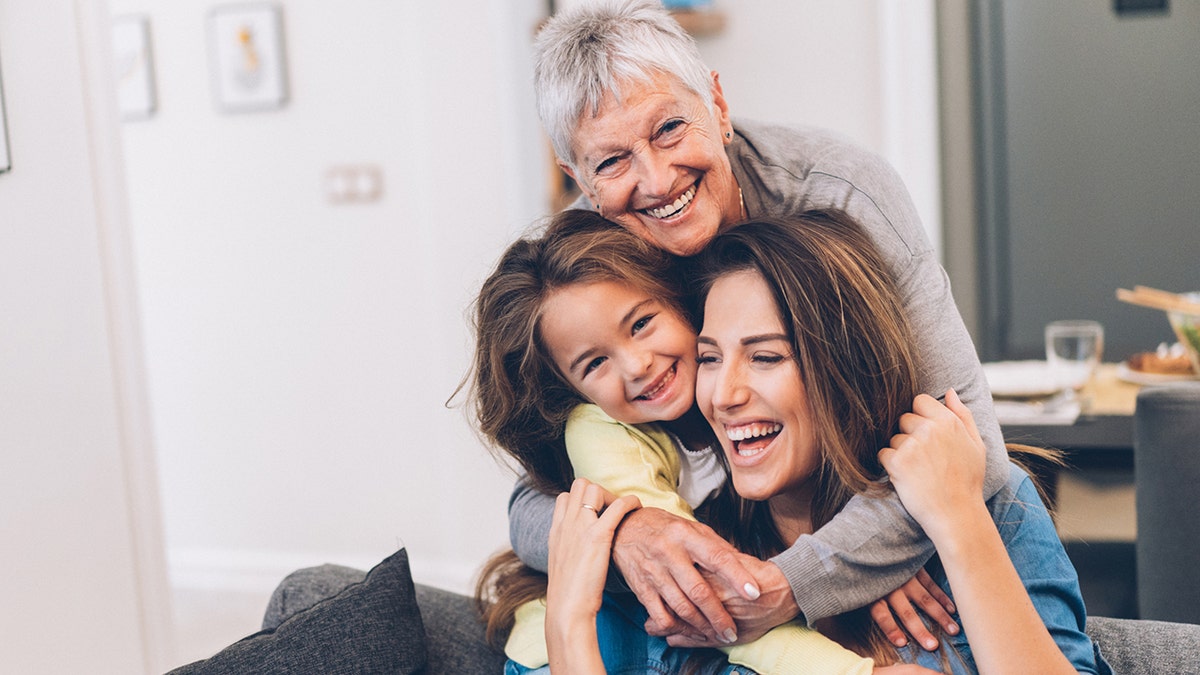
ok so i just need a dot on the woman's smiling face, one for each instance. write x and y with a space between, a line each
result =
654 161
750 389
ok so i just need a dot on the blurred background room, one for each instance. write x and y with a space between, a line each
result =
232 326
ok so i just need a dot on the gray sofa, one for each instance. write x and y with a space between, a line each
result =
1166 462
333 620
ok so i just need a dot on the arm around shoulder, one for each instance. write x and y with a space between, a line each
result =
530 513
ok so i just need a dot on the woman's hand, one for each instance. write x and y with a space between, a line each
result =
775 604
581 537
665 560
929 599
936 463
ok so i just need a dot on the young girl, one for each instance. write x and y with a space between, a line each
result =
585 367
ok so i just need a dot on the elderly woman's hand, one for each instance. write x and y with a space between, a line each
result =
774 605
661 557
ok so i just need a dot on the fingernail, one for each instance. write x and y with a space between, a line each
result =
900 642
751 591
931 644
730 636
952 628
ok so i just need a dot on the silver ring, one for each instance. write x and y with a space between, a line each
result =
591 508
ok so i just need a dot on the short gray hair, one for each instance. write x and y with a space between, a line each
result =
593 48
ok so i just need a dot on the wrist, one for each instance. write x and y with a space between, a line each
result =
633 516
576 651
963 532
565 624
778 592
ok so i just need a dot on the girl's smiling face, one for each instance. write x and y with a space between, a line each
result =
623 349
750 389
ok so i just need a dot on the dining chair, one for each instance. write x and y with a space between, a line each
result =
1167 479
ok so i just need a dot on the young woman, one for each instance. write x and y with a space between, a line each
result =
586 367
806 372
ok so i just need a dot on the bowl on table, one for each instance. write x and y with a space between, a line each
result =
1186 325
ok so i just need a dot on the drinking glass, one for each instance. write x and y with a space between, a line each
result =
1073 351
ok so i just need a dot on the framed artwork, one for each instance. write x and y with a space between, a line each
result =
247 57
5 160
135 69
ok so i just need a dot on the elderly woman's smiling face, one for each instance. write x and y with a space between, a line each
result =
655 163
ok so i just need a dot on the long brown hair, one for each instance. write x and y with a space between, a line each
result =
845 321
849 333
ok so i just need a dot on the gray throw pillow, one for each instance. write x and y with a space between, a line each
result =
370 627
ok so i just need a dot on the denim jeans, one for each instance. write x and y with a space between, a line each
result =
627 649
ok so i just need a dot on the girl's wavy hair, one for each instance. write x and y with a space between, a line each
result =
594 48
520 400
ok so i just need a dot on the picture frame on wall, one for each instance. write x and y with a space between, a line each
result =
247 57
132 59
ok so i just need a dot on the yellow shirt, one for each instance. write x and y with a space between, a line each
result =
642 460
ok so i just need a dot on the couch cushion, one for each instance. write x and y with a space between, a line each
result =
1144 647
454 634
373 626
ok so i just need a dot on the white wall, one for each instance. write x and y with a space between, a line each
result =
866 68
299 352
82 574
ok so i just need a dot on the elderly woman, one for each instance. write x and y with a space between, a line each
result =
642 125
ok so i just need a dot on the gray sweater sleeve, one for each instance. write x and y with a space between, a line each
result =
529 515
873 545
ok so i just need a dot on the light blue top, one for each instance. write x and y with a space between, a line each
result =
1048 575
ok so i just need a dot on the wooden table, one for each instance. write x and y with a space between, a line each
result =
1106 424
1102 437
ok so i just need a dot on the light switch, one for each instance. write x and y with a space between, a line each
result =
353 183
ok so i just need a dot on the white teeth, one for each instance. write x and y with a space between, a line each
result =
673 208
749 431
666 380
753 431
